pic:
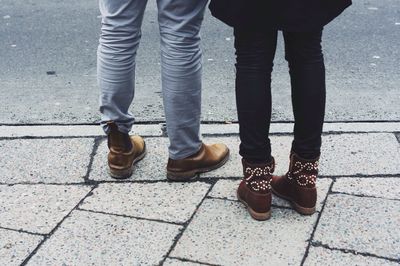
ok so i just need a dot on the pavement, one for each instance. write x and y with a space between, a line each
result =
58 206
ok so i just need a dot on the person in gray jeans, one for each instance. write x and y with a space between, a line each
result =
179 23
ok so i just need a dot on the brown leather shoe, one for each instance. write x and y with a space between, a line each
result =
208 158
298 185
255 189
124 152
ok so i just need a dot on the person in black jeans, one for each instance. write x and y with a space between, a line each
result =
256 24
255 51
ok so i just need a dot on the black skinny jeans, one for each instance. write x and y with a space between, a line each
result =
255 51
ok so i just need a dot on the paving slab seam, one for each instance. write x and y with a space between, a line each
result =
159 129
48 137
22 231
47 236
361 176
361 195
186 224
193 261
208 180
130 217
354 252
95 182
95 147
50 184
205 122
96 123
334 132
316 224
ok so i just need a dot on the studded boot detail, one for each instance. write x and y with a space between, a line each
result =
298 186
255 189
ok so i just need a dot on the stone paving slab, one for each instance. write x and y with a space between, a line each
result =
71 131
323 256
356 151
368 154
384 187
15 246
152 167
226 189
87 238
155 130
44 160
336 127
37 208
173 202
222 232
362 224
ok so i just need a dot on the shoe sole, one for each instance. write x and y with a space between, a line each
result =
300 209
126 173
189 175
259 216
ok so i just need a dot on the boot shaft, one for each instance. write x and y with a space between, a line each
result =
118 141
303 172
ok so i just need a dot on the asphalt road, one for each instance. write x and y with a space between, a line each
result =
48 65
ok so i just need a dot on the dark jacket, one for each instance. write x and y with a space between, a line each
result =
289 15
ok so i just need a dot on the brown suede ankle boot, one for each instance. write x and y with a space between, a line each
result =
298 185
124 152
208 158
255 189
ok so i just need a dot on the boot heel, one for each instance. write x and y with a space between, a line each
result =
259 216
303 210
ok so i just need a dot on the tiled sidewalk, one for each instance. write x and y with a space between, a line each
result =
58 206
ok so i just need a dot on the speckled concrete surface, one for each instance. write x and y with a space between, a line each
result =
37 208
383 187
226 189
368 154
97 239
146 220
44 160
173 202
15 246
323 256
223 233
176 262
363 224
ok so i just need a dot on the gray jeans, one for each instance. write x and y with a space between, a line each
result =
179 23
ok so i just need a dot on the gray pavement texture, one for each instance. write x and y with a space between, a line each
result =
58 206
48 65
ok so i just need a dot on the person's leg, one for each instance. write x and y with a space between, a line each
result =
255 53
180 22
307 73
181 56
119 41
